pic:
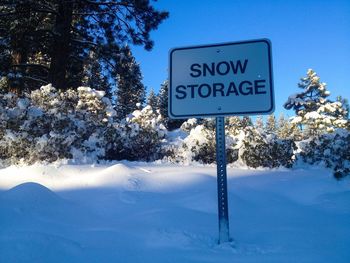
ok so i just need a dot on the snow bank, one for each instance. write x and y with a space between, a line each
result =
138 212
30 193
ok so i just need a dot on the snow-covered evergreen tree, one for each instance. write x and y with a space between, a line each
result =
200 144
283 127
265 150
271 125
233 125
48 125
315 113
190 124
246 121
288 130
152 100
131 92
259 123
139 136
330 150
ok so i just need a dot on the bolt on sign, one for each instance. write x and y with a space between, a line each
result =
216 81
221 80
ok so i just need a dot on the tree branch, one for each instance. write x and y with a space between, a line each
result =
30 66
84 42
35 79
109 3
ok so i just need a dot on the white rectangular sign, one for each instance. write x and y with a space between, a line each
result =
221 80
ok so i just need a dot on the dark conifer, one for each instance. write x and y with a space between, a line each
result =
130 90
152 100
170 124
46 41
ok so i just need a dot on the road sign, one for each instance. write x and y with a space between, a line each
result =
221 80
216 81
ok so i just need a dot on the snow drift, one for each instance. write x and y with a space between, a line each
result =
137 212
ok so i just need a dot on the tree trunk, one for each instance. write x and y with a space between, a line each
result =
19 54
61 48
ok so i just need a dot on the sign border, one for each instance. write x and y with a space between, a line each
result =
185 116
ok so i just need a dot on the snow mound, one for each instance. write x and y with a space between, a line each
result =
119 169
115 175
32 193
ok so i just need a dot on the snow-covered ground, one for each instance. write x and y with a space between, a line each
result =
137 212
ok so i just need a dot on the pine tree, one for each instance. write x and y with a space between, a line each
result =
271 125
283 131
22 29
94 77
259 123
170 124
163 99
130 91
152 100
313 92
246 121
287 130
233 125
345 106
346 109
64 33
316 114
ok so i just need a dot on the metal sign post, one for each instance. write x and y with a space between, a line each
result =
224 232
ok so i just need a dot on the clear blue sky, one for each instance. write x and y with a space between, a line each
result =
304 34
